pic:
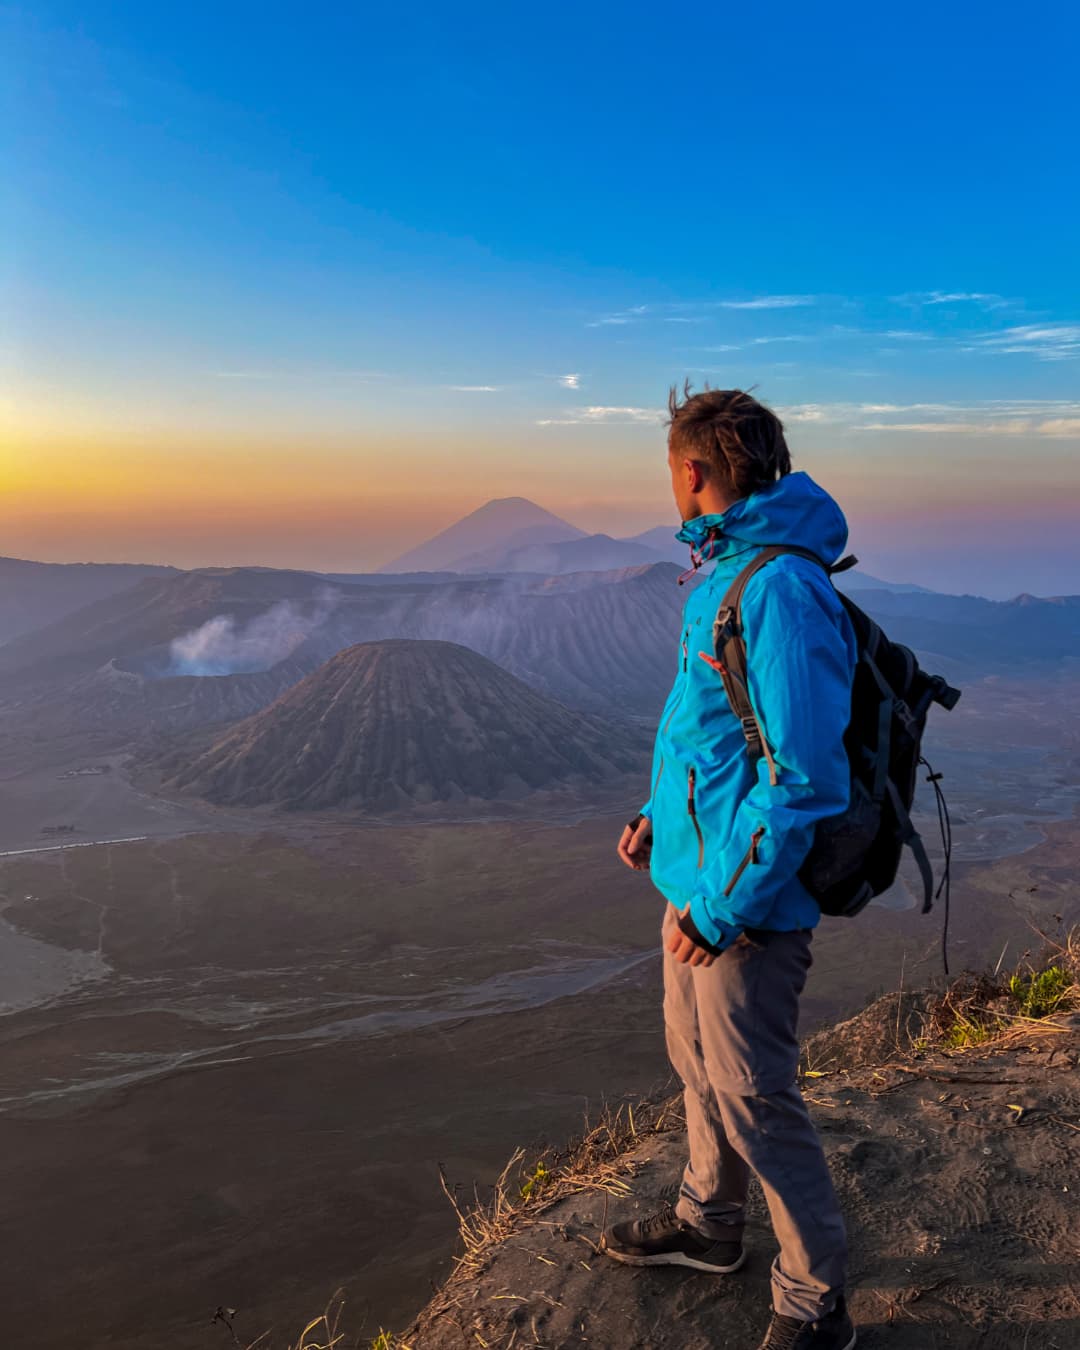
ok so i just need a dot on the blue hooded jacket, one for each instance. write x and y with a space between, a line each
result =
741 870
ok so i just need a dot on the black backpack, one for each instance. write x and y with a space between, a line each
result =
855 855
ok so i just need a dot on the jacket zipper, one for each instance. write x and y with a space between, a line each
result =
691 807
674 707
750 856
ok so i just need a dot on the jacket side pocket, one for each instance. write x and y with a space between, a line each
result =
691 807
750 856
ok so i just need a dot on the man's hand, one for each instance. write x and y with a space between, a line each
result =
636 845
686 951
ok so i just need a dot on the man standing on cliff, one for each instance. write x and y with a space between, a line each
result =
724 838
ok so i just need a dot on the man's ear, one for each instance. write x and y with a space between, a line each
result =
695 475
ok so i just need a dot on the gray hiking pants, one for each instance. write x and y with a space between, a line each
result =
732 1039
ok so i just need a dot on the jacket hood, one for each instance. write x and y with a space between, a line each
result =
793 510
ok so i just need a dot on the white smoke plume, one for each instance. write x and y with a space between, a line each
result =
219 647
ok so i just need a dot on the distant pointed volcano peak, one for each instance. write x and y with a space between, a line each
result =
500 523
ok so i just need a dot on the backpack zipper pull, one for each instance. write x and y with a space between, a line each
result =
755 839
685 648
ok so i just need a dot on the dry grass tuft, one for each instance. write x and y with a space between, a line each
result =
324 1332
321 1333
386 1340
597 1161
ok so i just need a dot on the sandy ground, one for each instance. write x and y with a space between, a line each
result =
958 1177
252 1108
34 972
94 797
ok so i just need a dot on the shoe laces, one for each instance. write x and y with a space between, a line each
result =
783 1334
656 1223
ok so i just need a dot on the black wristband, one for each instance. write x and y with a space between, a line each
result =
688 928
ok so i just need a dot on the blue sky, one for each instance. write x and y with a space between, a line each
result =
428 257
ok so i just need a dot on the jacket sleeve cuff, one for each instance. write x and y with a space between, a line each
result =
696 924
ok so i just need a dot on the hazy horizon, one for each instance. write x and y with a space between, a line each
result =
882 554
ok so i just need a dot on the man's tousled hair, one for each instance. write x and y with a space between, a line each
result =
732 434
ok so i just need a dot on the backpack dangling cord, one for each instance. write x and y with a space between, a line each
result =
945 825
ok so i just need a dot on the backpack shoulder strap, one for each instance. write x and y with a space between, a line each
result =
734 596
729 646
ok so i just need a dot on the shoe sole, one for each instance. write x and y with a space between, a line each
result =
675 1259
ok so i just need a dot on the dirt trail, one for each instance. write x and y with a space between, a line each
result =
960 1178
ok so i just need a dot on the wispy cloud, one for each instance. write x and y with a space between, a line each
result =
806 412
1016 426
755 342
994 417
602 415
770 302
572 381
926 302
1046 341
984 299
696 311
474 388
622 316
1061 426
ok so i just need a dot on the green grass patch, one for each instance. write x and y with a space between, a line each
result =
977 1009
965 1032
1043 993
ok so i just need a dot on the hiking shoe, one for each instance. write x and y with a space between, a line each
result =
834 1331
664 1239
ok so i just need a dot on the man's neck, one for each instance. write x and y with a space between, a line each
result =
711 502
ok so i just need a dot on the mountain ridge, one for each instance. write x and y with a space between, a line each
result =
566 636
601 642
33 594
589 553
